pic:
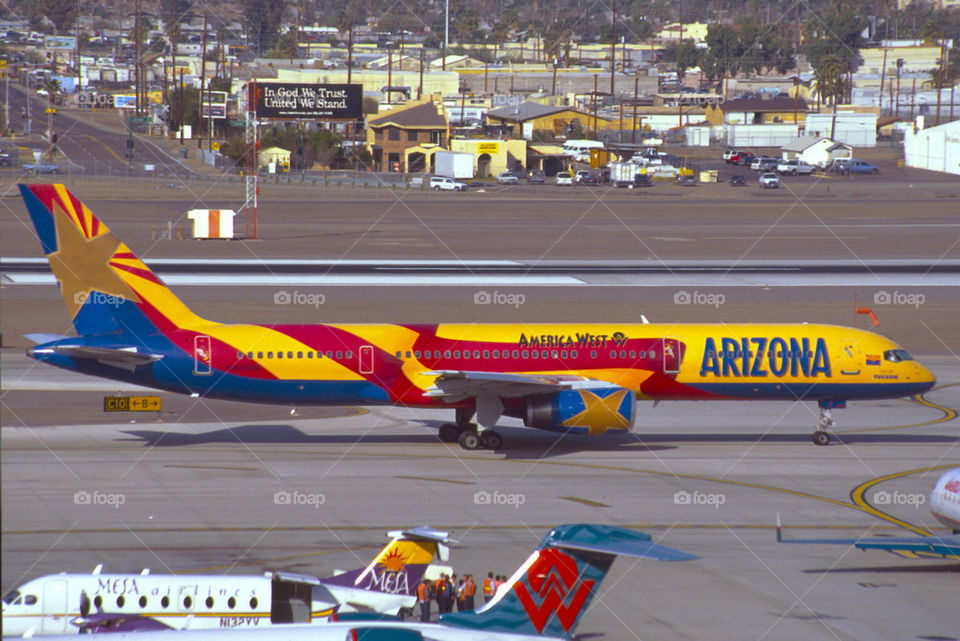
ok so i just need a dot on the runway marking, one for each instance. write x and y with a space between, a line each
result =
577 499
948 415
434 479
857 496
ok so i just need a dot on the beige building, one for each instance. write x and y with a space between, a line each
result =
490 156
442 82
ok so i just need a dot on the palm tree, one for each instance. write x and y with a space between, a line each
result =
52 88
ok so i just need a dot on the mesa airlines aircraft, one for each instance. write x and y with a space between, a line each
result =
546 596
103 602
583 378
945 507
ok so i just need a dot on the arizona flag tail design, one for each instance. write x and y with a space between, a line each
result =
106 288
554 587
401 565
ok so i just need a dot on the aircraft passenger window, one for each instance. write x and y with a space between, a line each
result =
573 354
289 354
408 354
593 353
30 599
299 354
349 354
209 601
98 601
544 354
496 353
279 354
339 356
259 354
309 354
563 354
653 354
269 354
525 354
633 354
240 355
417 354
516 353
535 354
231 603
330 354
253 603
187 602
249 354
143 602
476 353
164 602
613 353
446 354
486 353
120 601
623 353
399 354
553 354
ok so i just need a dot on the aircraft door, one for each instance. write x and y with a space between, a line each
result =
202 355
671 356
366 359
850 357
54 607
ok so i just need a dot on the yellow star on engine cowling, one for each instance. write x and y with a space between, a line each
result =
600 414
81 264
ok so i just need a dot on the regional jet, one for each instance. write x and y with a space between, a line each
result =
544 599
101 601
570 378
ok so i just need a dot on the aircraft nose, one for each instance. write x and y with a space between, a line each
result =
926 377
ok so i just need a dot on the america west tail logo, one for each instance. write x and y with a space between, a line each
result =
552 586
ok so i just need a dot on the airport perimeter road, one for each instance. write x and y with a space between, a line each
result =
196 492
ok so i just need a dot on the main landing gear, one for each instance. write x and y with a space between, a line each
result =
822 436
468 435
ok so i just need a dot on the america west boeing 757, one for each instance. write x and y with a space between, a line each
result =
583 378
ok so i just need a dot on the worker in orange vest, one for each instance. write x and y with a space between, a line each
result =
488 587
469 593
497 583
424 596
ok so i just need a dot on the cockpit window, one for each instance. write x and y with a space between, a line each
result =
897 355
12 597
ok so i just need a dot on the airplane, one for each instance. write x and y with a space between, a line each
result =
544 599
105 601
567 378
945 507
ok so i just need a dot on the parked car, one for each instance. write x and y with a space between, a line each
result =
729 153
442 183
733 155
564 178
536 176
42 168
586 177
768 164
794 167
839 165
769 180
744 159
854 166
757 164
737 180
687 180
641 180
507 178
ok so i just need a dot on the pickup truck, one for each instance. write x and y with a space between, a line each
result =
794 167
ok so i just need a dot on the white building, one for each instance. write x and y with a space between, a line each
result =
936 148
816 151
852 128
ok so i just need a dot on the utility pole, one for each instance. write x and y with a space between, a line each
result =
897 108
136 62
389 72
446 35
173 58
350 51
940 77
420 86
595 123
180 90
636 88
203 81
613 45
76 6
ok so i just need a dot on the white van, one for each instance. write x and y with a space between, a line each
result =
580 149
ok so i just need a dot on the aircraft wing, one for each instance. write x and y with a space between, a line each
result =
454 385
947 546
125 358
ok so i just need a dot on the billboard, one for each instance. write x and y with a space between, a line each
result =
309 101
60 42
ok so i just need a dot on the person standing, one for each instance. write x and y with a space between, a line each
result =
460 596
444 594
424 596
488 588
469 594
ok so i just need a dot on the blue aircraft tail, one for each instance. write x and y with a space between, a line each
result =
550 592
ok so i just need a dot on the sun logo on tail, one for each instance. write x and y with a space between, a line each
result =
393 561
551 586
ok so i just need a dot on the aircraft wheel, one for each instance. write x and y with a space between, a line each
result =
820 437
449 433
469 440
491 440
